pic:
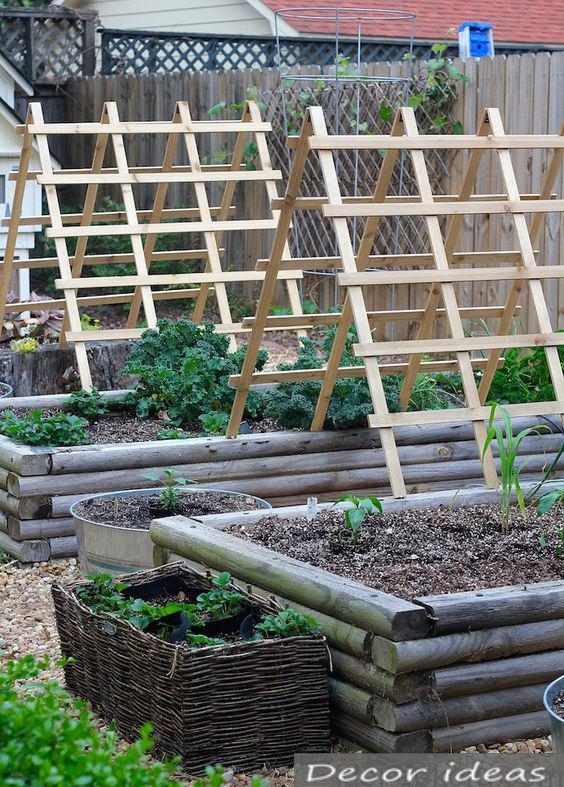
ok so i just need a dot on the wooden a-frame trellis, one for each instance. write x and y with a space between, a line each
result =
142 227
443 270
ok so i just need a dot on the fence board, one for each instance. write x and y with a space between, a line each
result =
526 88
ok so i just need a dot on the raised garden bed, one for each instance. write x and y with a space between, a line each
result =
39 484
432 673
246 703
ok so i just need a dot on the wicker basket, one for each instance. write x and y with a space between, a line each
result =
244 705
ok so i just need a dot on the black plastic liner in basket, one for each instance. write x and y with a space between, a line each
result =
245 704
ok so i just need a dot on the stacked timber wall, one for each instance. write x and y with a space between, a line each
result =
38 485
436 675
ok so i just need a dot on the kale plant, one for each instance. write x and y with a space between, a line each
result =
183 369
293 404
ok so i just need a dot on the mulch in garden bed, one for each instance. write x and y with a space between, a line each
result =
138 511
423 552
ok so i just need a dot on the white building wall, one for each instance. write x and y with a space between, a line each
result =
235 17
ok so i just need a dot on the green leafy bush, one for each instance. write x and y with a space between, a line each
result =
524 377
35 428
293 404
48 738
183 368
88 404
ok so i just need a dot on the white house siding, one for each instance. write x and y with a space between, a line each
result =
234 17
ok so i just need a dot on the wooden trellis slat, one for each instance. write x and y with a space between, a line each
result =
210 221
440 271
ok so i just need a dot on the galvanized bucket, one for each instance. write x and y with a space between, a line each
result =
556 722
5 391
121 550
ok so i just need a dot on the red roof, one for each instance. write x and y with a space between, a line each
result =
514 21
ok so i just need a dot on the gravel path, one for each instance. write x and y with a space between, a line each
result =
27 625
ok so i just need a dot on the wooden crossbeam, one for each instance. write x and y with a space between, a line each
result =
439 271
141 227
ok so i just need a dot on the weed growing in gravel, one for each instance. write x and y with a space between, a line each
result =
35 428
508 447
355 516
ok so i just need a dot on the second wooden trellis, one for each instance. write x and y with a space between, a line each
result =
439 272
142 226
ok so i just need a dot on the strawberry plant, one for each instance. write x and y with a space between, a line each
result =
35 428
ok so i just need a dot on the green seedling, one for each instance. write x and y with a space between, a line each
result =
171 434
171 482
287 623
559 548
222 600
355 516
35 428
551 498
88 404
214 423
508 447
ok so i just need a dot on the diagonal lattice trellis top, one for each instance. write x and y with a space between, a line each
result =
439 273
206 222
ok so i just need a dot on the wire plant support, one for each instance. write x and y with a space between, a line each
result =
340 86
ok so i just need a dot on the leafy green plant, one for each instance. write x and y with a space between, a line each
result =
203 641
88 323
287 623
171 482
524 377
183 370
293 404
508 448
222 601
215 776
559 548
35 428
26 345
214 423
354 517
550 498
172 434
47 737
88 404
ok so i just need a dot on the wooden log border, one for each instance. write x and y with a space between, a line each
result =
401 682
39 484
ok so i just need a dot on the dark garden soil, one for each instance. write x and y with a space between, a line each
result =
557 705
139 511
424 552
127 428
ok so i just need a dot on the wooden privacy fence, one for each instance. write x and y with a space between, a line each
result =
526 88
208 222
440 272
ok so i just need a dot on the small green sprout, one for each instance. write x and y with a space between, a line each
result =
355 516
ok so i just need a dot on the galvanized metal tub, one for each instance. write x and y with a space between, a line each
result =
120 550
556 722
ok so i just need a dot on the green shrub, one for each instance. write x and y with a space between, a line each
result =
35 428
47 739
524 377
293 404
88 404
183 369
